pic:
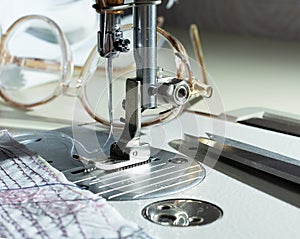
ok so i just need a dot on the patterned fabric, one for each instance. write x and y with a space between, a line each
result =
37 201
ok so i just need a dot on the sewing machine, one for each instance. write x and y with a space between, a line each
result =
95 155
145 161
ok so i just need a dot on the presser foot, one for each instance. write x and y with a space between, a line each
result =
119 159
92 164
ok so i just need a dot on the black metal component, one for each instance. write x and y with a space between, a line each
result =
131 132
118 153
122 45
275 123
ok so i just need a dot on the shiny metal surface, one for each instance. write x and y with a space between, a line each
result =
144 27
264 118
251 151
236 167
182 212
164 174
174 91
110 36
258 158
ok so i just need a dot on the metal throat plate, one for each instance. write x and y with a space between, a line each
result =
163 174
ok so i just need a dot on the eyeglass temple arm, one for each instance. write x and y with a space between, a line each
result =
198 88
195 38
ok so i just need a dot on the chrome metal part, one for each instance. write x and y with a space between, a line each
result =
144 24
163 174
138 96
245 154
258 158
125 5
182 212
264 118
110 96
110 36
128 168
138 156
174 91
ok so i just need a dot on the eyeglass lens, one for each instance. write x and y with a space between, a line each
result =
31 62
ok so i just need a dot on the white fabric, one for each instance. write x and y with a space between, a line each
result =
37 201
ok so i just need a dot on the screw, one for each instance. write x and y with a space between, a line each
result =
123 45
134 153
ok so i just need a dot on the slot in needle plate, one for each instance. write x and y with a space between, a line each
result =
165 173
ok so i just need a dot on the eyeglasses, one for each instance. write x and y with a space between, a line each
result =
36 66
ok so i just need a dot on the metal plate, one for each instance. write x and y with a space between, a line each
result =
182 212
277 123
164 174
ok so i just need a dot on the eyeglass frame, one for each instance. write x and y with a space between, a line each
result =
68 67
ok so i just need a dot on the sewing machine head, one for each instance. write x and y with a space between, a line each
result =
146 90
138 83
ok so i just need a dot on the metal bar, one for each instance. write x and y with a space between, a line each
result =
261 159
145 54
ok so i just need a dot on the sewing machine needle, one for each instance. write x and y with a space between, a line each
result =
110 110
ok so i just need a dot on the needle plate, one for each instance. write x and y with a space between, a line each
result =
163 174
